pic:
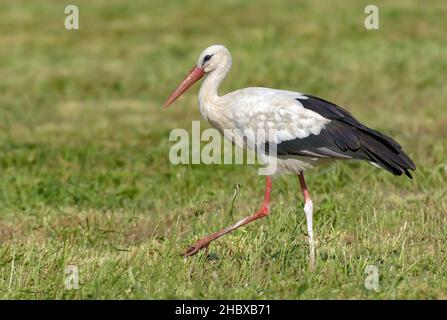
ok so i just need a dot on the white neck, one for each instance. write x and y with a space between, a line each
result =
208 94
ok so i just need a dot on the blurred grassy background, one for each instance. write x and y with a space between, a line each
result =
85 178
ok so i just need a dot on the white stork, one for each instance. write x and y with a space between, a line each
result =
308 131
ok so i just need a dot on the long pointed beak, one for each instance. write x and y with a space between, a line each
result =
193 76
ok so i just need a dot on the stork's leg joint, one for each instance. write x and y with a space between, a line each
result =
265 210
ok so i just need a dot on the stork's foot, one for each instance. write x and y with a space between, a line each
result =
263 212
196 247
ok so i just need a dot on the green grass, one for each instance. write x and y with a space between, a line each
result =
85 178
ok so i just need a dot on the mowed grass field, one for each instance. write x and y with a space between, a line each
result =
85 178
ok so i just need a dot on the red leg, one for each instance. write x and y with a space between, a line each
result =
264 211
308 210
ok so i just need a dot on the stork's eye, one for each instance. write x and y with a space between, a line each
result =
207 57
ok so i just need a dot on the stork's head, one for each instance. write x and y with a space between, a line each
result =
211 59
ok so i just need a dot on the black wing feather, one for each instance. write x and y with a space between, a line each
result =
346 137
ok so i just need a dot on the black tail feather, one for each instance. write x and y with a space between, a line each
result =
385 154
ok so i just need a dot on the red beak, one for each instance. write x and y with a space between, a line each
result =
193 76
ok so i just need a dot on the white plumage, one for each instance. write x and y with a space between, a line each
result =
268 115
254 113
304 130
